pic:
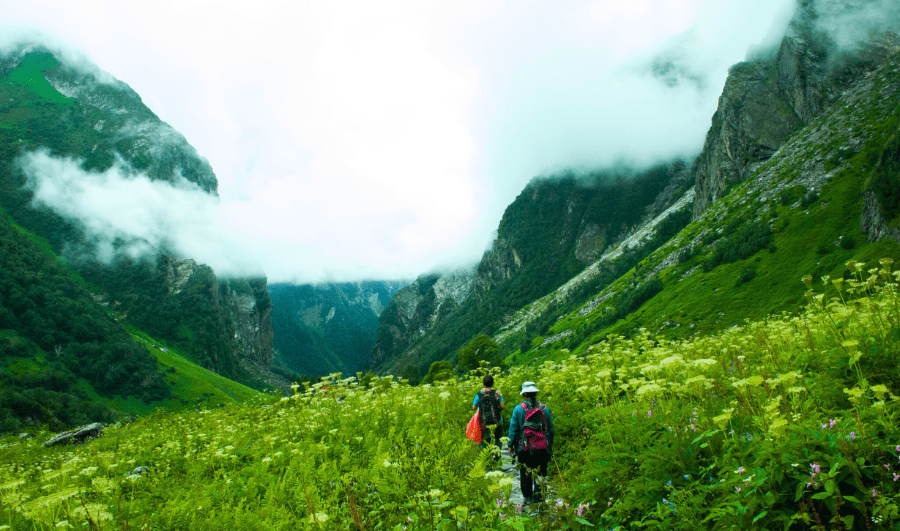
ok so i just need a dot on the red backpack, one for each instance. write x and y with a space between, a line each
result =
535 428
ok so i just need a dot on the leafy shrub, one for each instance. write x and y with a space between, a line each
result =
748 275
808 200
847 242
744 241
790 195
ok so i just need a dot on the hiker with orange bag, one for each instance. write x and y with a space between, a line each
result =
489 403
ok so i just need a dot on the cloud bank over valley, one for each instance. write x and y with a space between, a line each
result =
358 140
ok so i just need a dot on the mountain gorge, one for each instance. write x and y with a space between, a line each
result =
797 174
550 233
327 328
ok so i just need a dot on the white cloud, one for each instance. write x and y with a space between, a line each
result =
359 139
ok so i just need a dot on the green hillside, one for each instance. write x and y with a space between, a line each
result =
788 423
549 234
742 258
57 342
73 113
65 360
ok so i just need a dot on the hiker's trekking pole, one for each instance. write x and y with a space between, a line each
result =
558 471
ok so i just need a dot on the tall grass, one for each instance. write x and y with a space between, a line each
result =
788 423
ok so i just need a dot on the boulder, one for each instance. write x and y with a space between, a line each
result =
77 435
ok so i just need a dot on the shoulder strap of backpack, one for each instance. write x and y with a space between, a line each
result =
543 409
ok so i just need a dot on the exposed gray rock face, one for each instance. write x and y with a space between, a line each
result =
499 264
766 99
590 243
415 309
880 197
90 431
744 132
872 221
179 272
252 327
243 313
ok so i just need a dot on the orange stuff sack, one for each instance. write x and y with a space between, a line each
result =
473 430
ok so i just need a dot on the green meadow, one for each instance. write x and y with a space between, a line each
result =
789 422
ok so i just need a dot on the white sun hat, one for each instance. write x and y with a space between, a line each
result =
528 387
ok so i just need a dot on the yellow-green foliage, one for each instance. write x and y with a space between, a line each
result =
784 424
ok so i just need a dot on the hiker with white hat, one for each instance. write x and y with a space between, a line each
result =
531 440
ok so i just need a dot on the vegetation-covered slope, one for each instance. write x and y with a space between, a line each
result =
78 113
553 229
327 328
785 424
797 174
54 339
803 210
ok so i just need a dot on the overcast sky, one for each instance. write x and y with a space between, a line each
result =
360 139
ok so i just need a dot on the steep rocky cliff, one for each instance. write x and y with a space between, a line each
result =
881 208
414 311
771 96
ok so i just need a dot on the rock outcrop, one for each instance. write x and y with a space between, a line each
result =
881 198
771 96
78 435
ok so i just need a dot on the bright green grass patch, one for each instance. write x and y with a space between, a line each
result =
29 74
191 384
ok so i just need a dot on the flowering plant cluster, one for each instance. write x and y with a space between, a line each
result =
788 423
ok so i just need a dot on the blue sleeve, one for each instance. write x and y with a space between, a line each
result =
477 399
515 426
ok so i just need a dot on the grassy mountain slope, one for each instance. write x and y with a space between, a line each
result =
803 211
56 338
66 360
797 175
553 229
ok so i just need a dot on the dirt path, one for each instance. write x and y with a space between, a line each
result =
508 466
